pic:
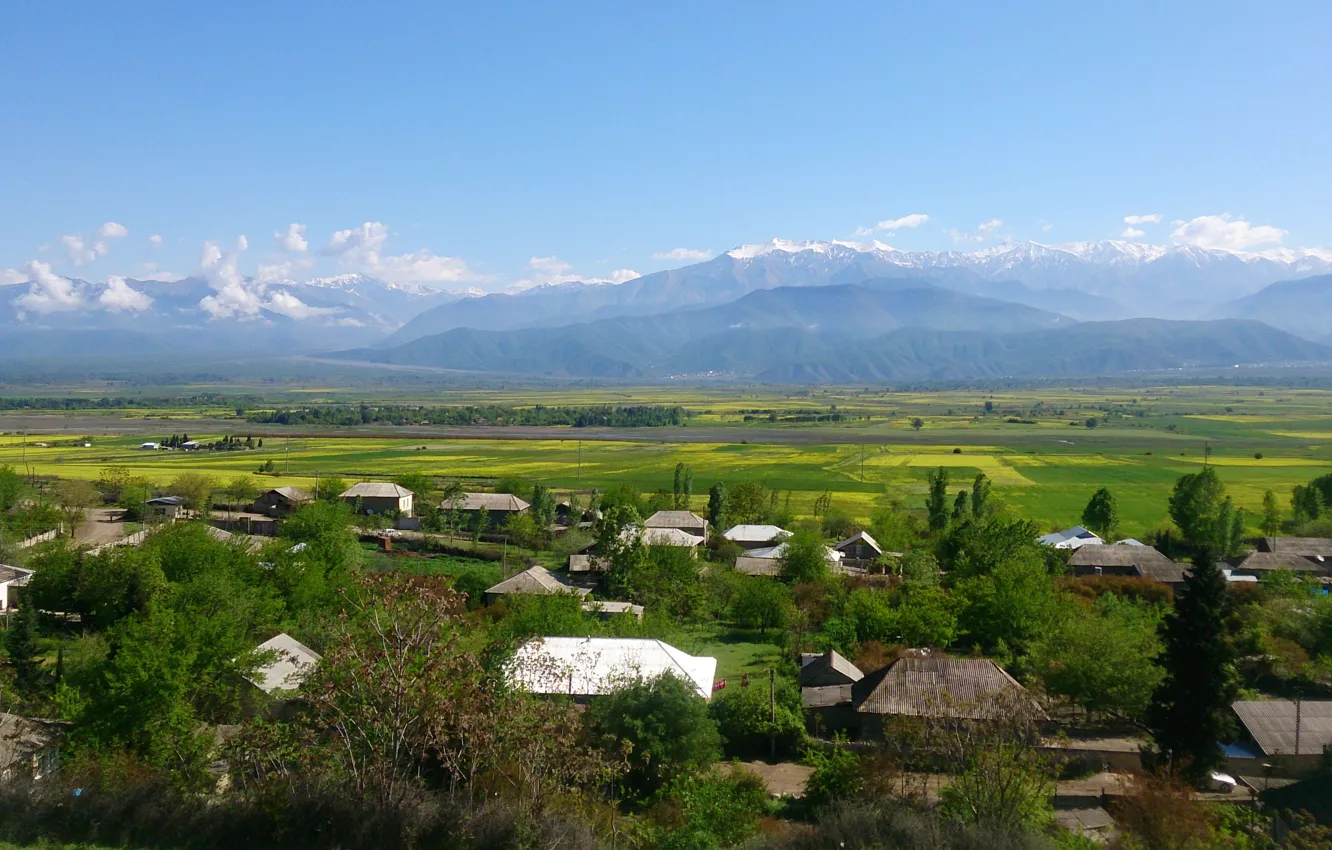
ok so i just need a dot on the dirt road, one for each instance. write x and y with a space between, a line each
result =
101 525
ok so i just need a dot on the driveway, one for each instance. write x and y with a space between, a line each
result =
100 525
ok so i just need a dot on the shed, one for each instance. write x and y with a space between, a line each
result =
535 581
587 564
379 497
291 662
281 501
168 507
1294 736
588 667
11 578
686 521
606 609
829 668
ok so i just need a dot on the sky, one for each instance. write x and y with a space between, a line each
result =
497 144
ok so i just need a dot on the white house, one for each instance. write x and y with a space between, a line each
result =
587 667
1069 538
11 577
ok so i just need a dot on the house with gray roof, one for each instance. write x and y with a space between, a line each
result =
534 581
1132 560
1263 564
756 536
379 497
1295 737
686 521
1307 547
859 547
11 578
281 501
827 668
498 507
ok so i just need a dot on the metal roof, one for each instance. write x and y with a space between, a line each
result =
860 536
291 494
758 566
1304 546
376 490
1271 723
659 536
592 666
756 533
14 575
504 502
972 688
1281 560
1117 555
831 660
537 581
826 696
1069 538
293 662
675 519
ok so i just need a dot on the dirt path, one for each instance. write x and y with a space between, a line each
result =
101 525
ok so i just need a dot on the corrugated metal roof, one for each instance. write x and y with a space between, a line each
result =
587 564
758 566
670 537
292 494
593 666
537 581
859 536
376 490
1069 538
826 696
1306 547
1117 555
1271 724
293 662
756 533
1280 561
506 502
14 575
973 688
832 661
675 519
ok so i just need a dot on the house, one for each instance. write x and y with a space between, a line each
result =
606 609
859 547
290 662
11 578
686 521
671 537
29 748
587 563
588 667
1293 737
498 507
915 686
1116 559
281 501
1263 564
379 497
535 581
767 561
166 507
1307 547
1069 538
191 446
1311 797
756 536
149 447
566 515
819 670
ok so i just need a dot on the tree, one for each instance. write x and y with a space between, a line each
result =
543 508
667 725
1190 711
1102 513
805 557
744 717
1198 507
936 503
1102 657
747 502
240 490
919 568
196 489
717 506
961 506
330 489
1271 522
917 423
761 603
1306 503
980 495
682 487
480 522
1005 784
76 496
21 646
11 487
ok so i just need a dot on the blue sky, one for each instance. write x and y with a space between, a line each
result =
596 137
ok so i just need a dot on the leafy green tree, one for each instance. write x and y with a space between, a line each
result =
240 490
1306 503
1190 711
924 615
837 774
936 502
717 809
667 725
919 567
1103 657
1271 522
76 497
744 717
543 508
980 496
11 487
1102 513
961 507
1004 784
1006 608
682 487
747 502
805 558
421 485
717 506
1202 511
522 530
761 603
480 523
21 646
894 527
663 578
195 488
330 488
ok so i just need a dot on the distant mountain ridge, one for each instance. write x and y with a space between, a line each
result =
1303 307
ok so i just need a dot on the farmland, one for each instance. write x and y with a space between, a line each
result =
860 446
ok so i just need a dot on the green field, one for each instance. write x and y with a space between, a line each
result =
1045 467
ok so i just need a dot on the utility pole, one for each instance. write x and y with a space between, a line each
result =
286 449
580 460
316 493
772 713
862 463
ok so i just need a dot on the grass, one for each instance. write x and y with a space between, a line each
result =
1146 439
738 651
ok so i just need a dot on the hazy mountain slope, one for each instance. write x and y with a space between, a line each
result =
1092 348
1303 307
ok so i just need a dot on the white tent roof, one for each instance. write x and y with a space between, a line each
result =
593 666
293 662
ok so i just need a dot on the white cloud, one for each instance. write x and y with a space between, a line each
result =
359 249
113 230
287 304
623 275
119 296
48 292
551 266
1046 226
682 254
550 271
242 244
1225 233
892 225
235 297
79 252
286 270
1133 233
1153 218
155 240
150 271
12 277
293 241
983 232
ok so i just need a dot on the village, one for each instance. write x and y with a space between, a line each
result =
950 623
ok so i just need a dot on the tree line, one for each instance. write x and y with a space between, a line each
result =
615 416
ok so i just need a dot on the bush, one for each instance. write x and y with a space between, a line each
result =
744 718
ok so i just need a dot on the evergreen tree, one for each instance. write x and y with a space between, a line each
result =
682 487
1190 711
961 506
1306 503
1271 524
980 495
717 506
21 644
936 503
1102 513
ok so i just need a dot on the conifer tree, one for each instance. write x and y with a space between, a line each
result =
21 645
